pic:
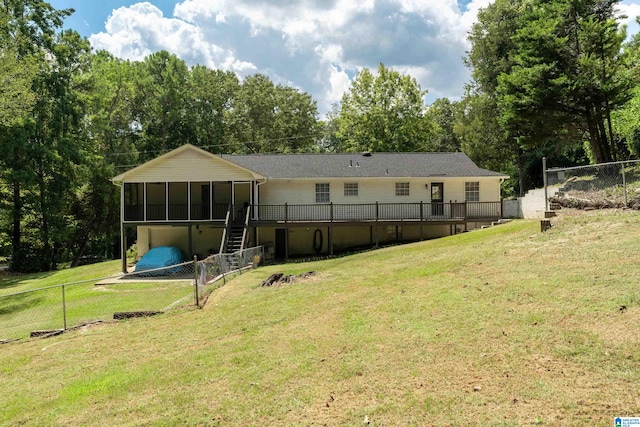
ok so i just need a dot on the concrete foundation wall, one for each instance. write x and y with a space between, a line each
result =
205 240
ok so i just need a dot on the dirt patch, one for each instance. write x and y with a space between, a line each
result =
578 198
281 278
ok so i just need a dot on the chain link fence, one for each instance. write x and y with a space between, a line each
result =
606 185
51 310
215 269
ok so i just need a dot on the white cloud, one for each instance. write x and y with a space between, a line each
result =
315 45
136 31
631 10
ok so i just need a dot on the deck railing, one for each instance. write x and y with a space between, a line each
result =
368 212
326 212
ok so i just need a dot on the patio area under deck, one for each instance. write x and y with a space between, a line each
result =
421 215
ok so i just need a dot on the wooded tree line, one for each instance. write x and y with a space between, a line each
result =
550 78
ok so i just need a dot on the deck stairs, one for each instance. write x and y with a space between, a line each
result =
234 238
494 223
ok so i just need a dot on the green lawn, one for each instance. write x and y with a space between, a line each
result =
15 283
42 307
499 327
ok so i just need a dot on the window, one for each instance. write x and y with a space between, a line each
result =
350 188
402 188
472 191
322 192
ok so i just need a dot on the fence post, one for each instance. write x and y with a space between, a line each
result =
64 310
222 269
544 178
624 184
195 281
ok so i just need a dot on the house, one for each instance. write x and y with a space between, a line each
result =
296 204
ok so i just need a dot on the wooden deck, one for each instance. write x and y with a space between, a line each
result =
264 215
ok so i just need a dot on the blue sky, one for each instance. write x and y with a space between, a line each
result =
317 46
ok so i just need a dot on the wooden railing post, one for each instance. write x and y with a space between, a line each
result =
421 220
246 226
331 212
286 212
226 229
377 211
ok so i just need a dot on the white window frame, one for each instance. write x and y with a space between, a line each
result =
351 189
472 191
323 192
403 189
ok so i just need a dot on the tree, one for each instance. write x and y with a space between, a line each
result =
567 76
95 207
384 113
626 120
268 118
552 72
443 113
161 91
27 28
329 140
210 95
16 76
58 147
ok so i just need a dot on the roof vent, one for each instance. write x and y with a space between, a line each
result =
366 154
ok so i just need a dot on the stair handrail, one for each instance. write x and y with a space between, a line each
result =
223 242
246 226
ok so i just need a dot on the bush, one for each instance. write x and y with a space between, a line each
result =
132 252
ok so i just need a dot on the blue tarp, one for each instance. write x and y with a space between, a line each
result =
162 256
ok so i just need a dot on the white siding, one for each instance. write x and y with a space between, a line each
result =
189 165
382 190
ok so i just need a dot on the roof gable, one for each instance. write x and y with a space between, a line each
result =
187 163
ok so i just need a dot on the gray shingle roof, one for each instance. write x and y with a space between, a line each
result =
357 165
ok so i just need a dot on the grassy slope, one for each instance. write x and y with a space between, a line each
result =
42 310
505 326
16 283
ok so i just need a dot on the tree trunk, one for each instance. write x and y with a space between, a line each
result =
614 150
604 140
16 248
594 138
44 210
521 171
83 246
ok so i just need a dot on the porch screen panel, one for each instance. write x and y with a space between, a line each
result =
178 201
156 201
134 201
200 200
